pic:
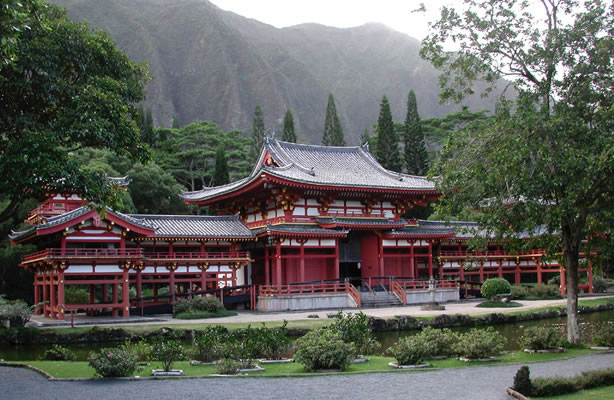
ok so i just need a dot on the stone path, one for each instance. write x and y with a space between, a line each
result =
472 383
463 307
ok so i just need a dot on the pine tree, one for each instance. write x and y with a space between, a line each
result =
415 157
221 175
289 135
257 134
387 147
333 133
175 124
147 132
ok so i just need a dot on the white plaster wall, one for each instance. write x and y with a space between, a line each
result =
303 303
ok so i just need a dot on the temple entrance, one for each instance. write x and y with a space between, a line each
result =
350 270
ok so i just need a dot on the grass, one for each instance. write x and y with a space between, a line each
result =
602 393
81 369
498 304
198 314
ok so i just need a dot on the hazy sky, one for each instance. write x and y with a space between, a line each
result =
340 13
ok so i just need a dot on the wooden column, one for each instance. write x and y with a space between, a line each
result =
114 298
125 294
430 258
278 262
203 277
267 266
45 295
52 296
60 299
590 277
302 262
139 283
563 282
380 255
171 283
517 275
539 272
105 298
412 262
336 266
36 293
461 271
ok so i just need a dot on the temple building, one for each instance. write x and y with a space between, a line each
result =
311 227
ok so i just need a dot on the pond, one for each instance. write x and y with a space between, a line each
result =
511 332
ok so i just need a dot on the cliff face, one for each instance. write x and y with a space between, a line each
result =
210 64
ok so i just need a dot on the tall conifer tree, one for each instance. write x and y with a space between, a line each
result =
387 147
257 134
333 133
415 157
289 135
221 175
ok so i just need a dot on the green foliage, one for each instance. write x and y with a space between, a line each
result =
542 290
141 349
16 16
438 129
209 343
113 362
167 352
333 132
59 353
272 343
228 366
289 135
387 143
67 88
197 303
220 175
557 385
16 312
258 133
76 295
408 350
522 381
601 285
415 156
479 343
518 291
541 338
323 349
604 335
354 328
494 286
437 342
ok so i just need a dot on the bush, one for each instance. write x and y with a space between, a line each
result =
604 335
59 353
541 338
437 342
167 352
16 312
542 290
141 349
323 349
199 303
408 350
354 328
76 295
555 280
113 362
271 343
228 367
494 286
522 381
553 386
209 344
600 285
518 291
479 343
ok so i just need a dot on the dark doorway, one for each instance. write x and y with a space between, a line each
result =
349 270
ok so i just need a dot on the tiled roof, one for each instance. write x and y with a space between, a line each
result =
299 229
226 226
321 165
424 228
374 221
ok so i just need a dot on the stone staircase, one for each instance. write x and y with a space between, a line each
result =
379 299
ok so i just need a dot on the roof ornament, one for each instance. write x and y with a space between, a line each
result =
312 171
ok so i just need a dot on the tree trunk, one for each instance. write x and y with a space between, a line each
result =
571 253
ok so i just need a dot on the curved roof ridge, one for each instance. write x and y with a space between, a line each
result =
196 217
371 160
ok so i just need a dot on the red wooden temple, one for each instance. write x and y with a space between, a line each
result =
310 227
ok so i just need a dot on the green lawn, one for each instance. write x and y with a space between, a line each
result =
602 393
81 369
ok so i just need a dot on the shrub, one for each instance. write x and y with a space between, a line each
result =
522 381
542 290
141 349
199 303
437 342
59 353
271 343
479 343
16 312
323 349
553 386
228 367
555 280
600 285
494 286
76 295
209 344
541 338
113 362
604 335
518 291
354 328
167 352
182 306
408 350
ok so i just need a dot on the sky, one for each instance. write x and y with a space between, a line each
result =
397 14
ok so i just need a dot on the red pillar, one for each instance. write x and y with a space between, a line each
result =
302 262
563 282
45 295
171 283
539 273
203 278
430 259
114 299
336 266
36 293
125 294
590 277
278 263
60 299
380 245
52 295
412 262
267 269
517 275
139 283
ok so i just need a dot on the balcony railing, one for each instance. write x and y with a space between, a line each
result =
196 255
491 254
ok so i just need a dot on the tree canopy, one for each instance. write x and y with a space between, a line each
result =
65 88
258 133
289 135
387 151
415 156
545 166
333 132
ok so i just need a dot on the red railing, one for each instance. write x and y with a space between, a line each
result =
397 289
132 253
303 289
423 284
51 209
495 253
191 255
